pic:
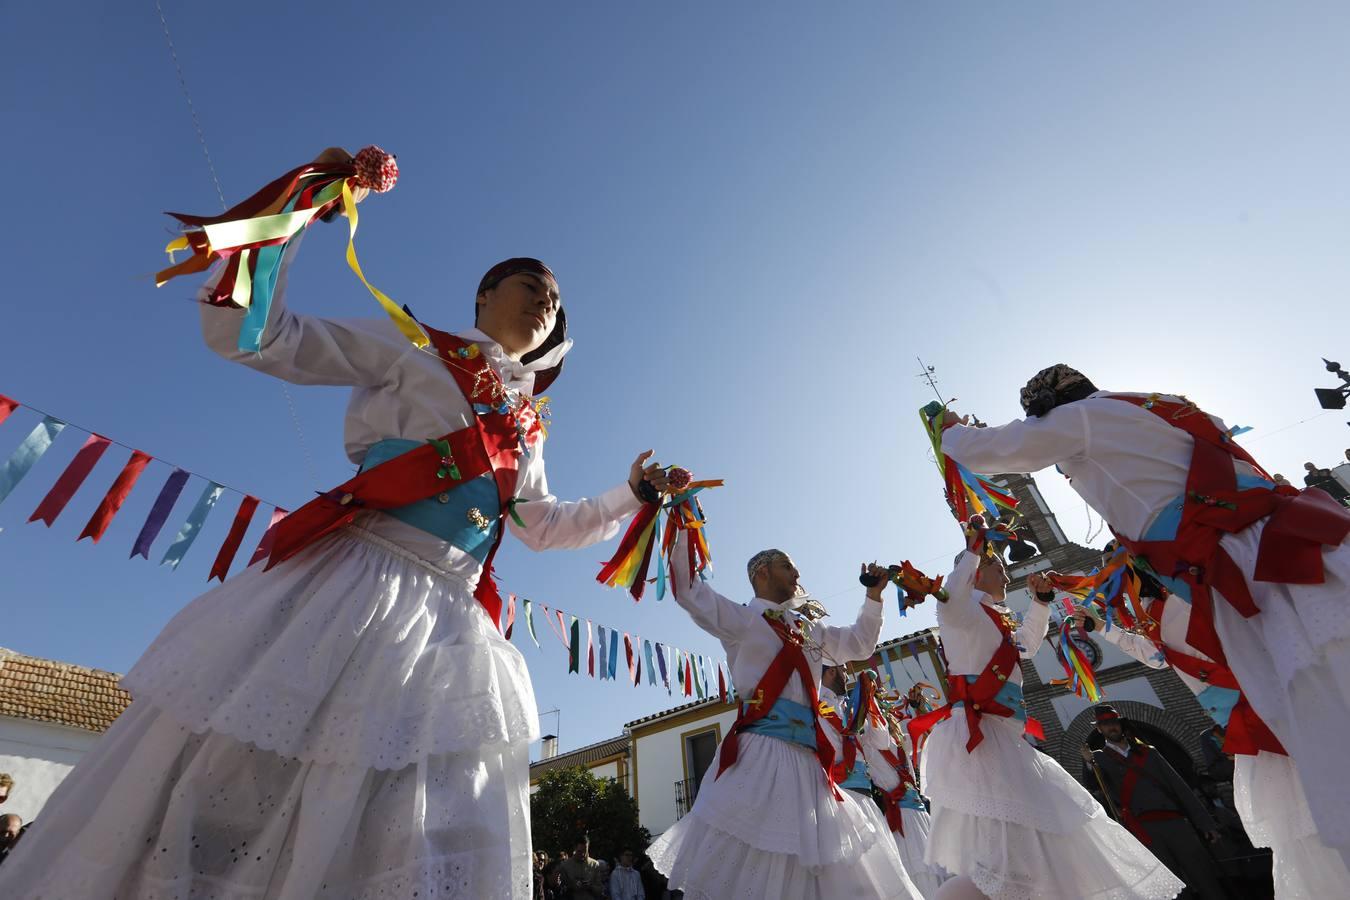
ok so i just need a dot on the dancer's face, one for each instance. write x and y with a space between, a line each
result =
991 577
519 312
777 580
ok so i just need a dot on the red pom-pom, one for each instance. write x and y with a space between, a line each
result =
376 169
679 478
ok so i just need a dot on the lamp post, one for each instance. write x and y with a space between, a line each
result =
1334 398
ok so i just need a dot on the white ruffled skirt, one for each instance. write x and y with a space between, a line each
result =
913 847
347 725
1274 812
1293 662
1014 822
770 828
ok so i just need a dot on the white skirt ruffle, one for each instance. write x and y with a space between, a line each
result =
1019 826
1274 811
770 828
913 847
348 725
1293 662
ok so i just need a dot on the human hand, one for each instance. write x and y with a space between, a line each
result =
950 418
1039 583
1085 753
653 474
880 575
975 533
340 156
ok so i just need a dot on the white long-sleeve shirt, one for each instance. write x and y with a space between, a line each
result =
1125 461
399 391
875 740
969 637
1176 620
626 884
751 644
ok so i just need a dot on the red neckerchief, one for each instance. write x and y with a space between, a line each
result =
790 659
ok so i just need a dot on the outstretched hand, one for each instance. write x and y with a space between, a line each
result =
338 155
880 574
950 418
653 474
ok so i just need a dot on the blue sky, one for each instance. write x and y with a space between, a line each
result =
759 213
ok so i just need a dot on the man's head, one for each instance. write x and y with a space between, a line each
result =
626 858
582 848
1109 723
833 677
6 785
518 305
1310 467
992 576
1054 386
9 829
772 575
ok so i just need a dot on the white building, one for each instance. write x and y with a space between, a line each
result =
51 713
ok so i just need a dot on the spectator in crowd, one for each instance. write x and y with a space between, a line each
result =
552 885
1218 765
10 828
6 785
585 877
1280 479
540 866
625 883
1323 480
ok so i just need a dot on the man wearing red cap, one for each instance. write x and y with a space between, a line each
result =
1155 804
350 722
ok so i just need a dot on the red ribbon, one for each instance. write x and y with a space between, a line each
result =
510 616
221 568
70 480
7 406
628 652
116 496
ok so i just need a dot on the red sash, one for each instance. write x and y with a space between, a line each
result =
978 696
892 807
490 444
848 744
790 659
1300 524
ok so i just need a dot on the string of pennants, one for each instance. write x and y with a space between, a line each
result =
678 670
597 655
44 435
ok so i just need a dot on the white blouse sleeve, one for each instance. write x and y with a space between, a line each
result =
845 643
1031 633
553 524
875 740
960 607
304 349
1023 445
1134 645
724 619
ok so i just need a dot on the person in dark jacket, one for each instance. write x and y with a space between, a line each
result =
1155 804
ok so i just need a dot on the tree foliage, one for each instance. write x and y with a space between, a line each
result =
572 802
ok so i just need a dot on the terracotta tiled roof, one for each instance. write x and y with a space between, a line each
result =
47 691
711 701
581 757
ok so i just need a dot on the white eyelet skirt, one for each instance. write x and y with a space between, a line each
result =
348 725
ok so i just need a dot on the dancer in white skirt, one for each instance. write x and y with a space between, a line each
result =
1007 820
349 724
769 822
1266 789
885 749
1265 568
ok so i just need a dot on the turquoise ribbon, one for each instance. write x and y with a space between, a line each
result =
613 655
193 526
28 453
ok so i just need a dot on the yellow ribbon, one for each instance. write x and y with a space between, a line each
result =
406 324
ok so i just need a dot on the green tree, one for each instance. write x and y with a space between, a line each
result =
572 802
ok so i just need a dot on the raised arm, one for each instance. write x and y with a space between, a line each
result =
1134 645
960 605
1031 632
1023 445
553 524
305 349
845 643
724 619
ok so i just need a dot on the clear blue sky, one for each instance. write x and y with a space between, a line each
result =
759 214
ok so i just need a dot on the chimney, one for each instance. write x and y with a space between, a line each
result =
549 748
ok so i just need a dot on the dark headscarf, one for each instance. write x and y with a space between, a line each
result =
1055 386
524 264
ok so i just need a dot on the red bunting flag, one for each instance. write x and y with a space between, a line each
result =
7 406
70 480
721 684
628 652
221 568
510 616
116 496
265 545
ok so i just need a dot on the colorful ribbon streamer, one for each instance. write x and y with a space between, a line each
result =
76 472
193 526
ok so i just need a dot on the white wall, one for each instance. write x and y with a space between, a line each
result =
660 764
39 756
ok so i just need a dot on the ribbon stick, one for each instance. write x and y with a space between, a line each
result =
159 513
193 526
264 548
26 455
116 496
71 479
